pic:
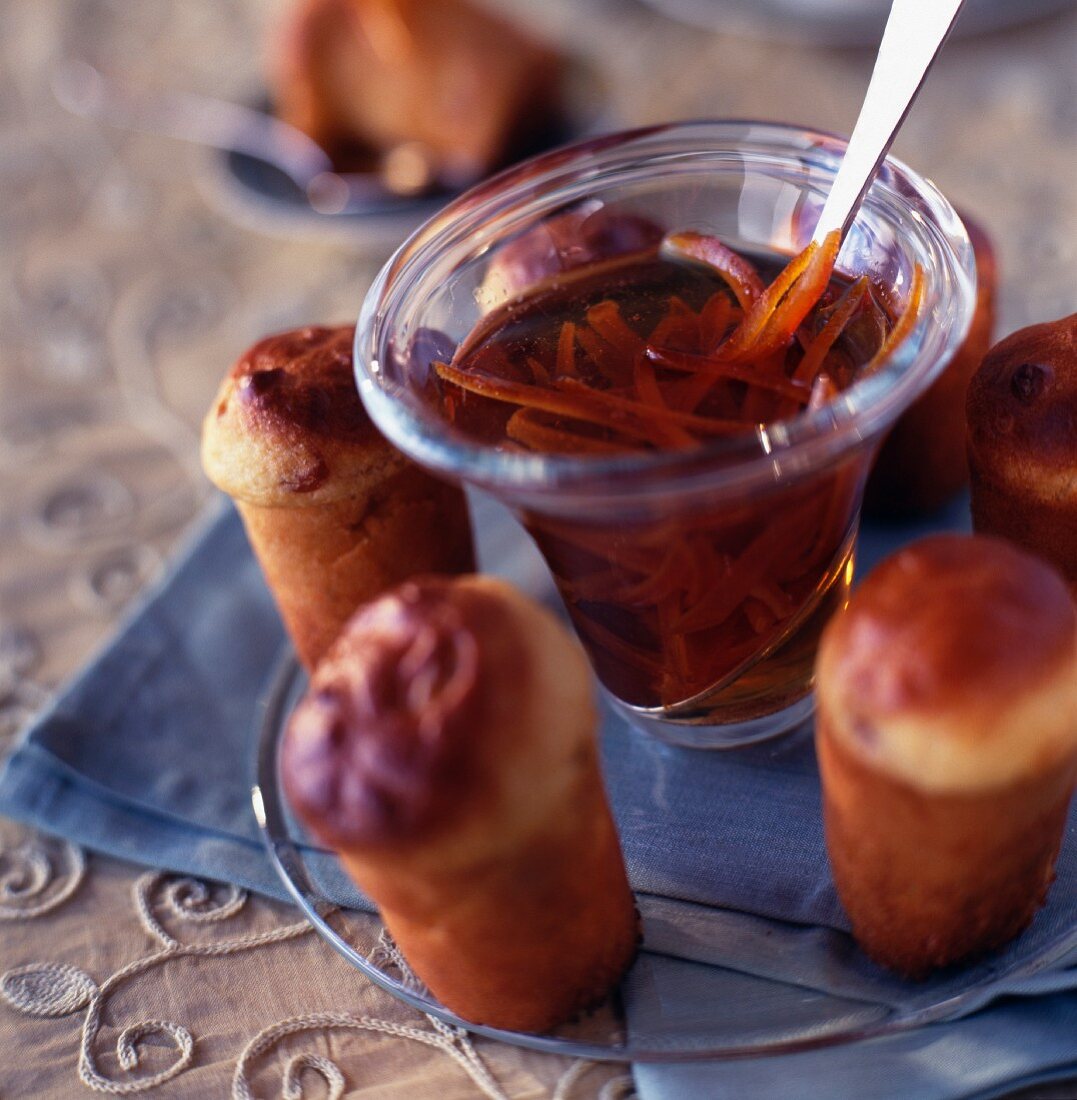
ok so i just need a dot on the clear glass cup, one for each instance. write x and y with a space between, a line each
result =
698 581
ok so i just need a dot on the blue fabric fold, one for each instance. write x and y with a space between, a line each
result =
149 754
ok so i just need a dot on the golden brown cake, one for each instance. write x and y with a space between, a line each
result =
922 463
440 79
1022 441
446 749
334 513
947 743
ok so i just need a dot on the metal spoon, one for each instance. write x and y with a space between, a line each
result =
914 35
403 174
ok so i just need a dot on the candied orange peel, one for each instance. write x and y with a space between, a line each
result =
750 354
674 603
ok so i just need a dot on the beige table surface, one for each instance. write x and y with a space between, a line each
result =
125 292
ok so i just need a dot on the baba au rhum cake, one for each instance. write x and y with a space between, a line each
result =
1022 441
947 742
335 514
446 749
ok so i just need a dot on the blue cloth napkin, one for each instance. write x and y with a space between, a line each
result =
148 755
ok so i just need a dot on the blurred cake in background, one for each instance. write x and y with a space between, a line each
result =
441 92
1022 440
922 463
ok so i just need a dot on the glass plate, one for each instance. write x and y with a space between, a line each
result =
685 1029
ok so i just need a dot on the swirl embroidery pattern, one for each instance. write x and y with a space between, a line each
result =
37 876
60 989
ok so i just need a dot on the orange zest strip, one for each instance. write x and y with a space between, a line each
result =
548 400
566 351
780 604
605 318
604 356
716 369
678 578
906 323
756 318
679 325
634 559
759 616
844 309
526 427
691 391
629 555
616 646
636 421
579 402
736 271
803 296
661 581
715 610
647 388
538 371
714 320
645 382
706 566
704 424
755 563
603 586
674 643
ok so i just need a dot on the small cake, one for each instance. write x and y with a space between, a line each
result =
947 743
444 83
922 463
334 513
446 749
1022 442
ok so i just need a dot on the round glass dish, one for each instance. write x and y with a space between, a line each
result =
775 507
752 1017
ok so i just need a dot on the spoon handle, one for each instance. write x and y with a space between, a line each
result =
914 35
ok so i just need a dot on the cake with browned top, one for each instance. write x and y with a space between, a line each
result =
1022 441
947 741
334 513
446 748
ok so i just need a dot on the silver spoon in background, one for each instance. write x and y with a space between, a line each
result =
915 33
403 174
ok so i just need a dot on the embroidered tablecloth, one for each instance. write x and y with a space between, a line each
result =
125 292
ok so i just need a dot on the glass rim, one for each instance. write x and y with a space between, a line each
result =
776 451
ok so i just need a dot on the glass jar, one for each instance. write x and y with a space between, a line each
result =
698 581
